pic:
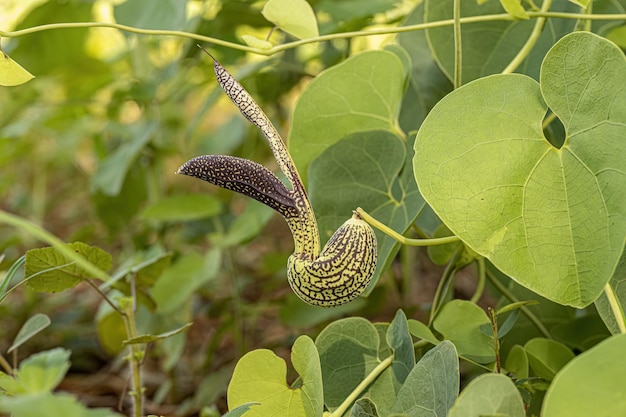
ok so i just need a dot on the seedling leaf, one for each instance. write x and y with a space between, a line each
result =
148 338
33 325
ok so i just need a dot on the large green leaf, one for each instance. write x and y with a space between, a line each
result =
371 170
363 93
433 384
348 351
590 385
553 219
489 395
260 376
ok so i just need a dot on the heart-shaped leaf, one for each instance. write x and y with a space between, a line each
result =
261 377
552 219
363 93
371 170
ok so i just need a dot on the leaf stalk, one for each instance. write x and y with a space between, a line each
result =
532 40
616 307
402 239
458 45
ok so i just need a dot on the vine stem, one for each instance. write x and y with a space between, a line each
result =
371 377
458 49
446 281
616 307
291 45
480 285
532 40
403 239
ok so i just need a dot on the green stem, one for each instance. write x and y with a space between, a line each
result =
408 266
402 239
291 45
339 411
589 10
54 241
6 365
134 358
458 49
496 341
104 297
480 285
532 40
616 307
509 295
444 284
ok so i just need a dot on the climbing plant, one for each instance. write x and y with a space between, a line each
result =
491 132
